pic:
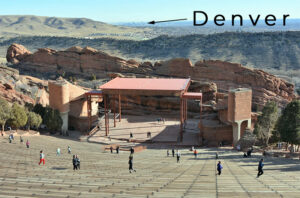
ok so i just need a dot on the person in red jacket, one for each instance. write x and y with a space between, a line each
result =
42 158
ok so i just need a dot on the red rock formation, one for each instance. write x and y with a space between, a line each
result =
230 75
83 61
16 52
87 61
11 95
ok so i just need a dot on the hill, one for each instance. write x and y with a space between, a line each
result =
20 25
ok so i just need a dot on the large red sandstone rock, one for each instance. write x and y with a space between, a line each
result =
225 75
16 52
230 75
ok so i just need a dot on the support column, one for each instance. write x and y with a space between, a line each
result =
89 110
105 115
236 131
107 103
200 129
114 107
186 109
181 119
249 123
120 108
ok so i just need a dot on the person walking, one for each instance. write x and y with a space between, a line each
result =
74 161
58 152
260 168
10 138
42 158
27 143
117 149
78 162
178 156
219 168
21 139
69 149
195 153
173 152
130 162
168 153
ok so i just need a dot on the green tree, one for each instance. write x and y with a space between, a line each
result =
29 106
266 122
298 91
39 109
34 120
52 119
93 77
18 115
288 124
4 112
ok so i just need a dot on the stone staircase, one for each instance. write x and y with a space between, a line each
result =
104 174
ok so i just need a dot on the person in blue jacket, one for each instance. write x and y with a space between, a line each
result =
219 168
260 167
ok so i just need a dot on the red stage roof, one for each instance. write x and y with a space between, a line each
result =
160 84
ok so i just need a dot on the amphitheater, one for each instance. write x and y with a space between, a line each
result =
104 174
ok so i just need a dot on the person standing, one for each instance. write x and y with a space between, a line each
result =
178 156
117 149
260 167
173 152
168 153
42 158
111 149
21 139
219 168
78 162
69 149
10 138
58 151
74 161
27 143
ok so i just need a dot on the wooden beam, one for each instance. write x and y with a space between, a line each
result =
120 108
107 103
201 127
186 109
114 107
181 120
105 114
88 111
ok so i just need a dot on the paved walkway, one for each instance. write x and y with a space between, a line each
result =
106 175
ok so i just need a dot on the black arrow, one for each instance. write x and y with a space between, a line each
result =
153 22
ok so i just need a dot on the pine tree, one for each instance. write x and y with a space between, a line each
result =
266 122
288 124
18 116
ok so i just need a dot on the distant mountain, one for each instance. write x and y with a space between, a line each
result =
186 27
16 25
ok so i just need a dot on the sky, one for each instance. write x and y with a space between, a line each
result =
112 11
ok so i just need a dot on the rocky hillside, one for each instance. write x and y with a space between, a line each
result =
16 88
79 61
